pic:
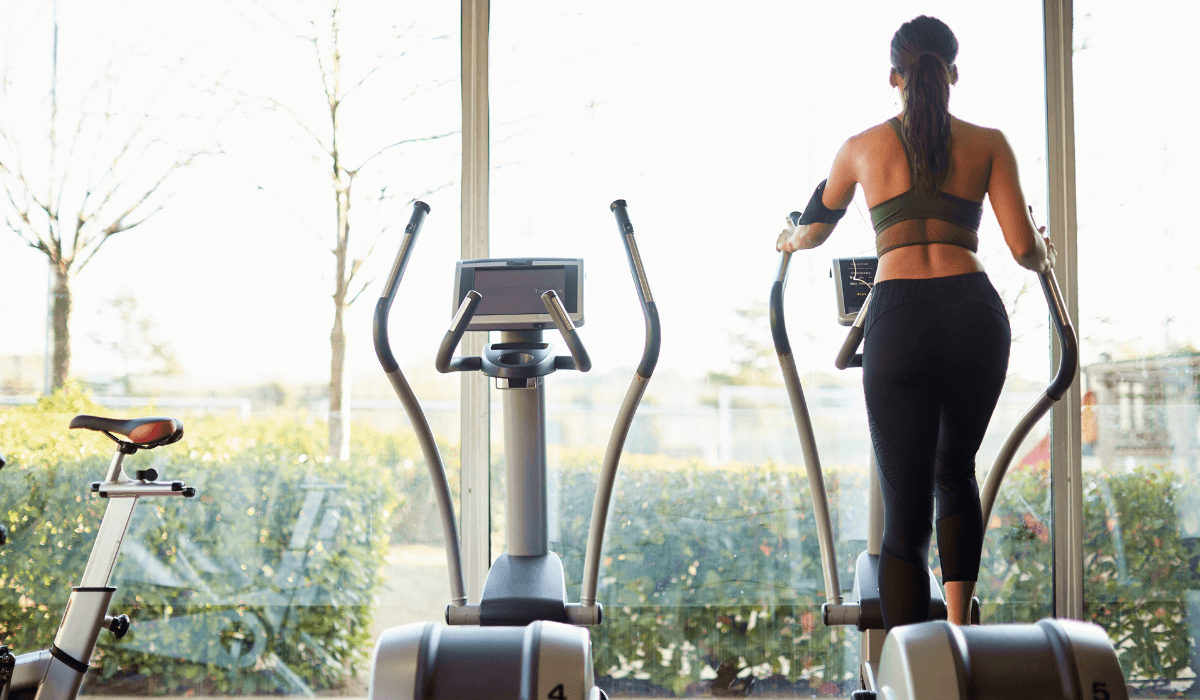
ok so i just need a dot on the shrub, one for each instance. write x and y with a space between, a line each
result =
266 582
712 572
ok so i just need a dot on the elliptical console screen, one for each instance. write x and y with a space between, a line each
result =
853 279
508 291
512 291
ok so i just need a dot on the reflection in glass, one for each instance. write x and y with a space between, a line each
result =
1140 330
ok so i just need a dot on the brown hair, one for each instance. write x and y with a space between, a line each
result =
923 53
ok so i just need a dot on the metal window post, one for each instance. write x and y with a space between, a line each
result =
1066 456
475 430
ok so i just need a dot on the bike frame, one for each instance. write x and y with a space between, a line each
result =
57 673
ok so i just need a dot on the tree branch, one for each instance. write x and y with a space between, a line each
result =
402 142
378 237
119 224
385 60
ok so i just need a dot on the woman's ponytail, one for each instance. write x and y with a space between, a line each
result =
923 53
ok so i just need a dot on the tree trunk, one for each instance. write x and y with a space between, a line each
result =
339 397
60 318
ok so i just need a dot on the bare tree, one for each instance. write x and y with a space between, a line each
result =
342 171
67 191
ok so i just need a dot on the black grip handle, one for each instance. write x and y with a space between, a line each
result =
379 330
845 356
462 319
621 210
649 309
779 335
795 217
1068 363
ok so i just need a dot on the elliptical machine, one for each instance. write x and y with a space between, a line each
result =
935 660
523 638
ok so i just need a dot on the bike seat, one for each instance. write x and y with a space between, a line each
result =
145 433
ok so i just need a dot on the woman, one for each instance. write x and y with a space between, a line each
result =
937 337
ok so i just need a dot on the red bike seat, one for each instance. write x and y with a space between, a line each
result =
143 432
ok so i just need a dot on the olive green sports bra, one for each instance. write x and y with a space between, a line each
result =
914 204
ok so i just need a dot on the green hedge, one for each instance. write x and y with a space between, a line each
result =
711 574
713 569
265 583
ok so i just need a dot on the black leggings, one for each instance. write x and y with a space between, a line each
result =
934 361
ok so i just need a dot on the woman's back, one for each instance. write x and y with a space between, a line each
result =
884 172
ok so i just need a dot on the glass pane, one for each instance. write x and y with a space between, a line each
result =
714 125
217 311
1138 340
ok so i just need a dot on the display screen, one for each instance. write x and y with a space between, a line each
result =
857 277
511 291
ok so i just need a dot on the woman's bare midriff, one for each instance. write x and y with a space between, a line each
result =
926 260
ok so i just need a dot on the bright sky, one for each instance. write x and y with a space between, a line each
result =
712 124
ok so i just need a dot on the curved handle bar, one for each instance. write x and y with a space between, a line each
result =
804 430
590 611
579 358
846 356
1068 365
649 309
458 326
383 347
795 217
779 334
433 456
1069 362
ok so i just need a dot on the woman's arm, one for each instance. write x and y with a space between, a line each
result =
1029 248
839 191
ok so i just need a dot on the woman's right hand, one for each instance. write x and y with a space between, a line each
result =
788 238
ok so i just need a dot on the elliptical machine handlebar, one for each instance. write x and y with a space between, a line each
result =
589 612
458 325
1068 366
808 442
579 359
383 348
433 457
1069 343
649 309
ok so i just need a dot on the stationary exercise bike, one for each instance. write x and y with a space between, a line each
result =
56 673
523 639
935 660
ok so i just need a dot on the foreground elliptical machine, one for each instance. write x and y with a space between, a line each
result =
523 639
937 660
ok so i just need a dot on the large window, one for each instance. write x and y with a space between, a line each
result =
219 310
1139 330
713 125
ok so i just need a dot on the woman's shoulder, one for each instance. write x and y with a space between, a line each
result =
870 136
963 129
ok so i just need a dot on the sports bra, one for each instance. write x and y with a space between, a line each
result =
914 204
